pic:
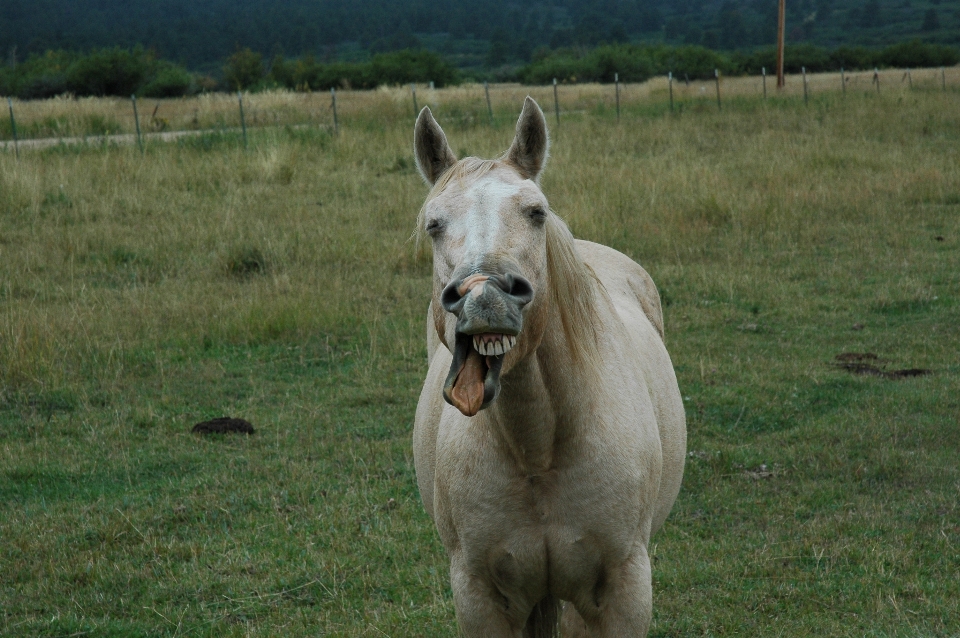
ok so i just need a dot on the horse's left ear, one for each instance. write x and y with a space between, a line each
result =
531 144
430 147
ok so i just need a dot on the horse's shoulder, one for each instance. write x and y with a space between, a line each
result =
623 277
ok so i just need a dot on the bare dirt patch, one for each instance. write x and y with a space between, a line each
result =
224 425
869 364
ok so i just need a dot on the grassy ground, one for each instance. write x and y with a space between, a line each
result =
139 295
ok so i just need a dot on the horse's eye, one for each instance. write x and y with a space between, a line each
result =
537 214
433 227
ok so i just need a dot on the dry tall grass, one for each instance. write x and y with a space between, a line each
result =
69 117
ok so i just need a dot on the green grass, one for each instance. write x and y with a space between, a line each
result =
142 294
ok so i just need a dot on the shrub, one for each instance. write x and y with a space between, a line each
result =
410 65
168 81
693 61
243 69
398 67
41 87
564 65
917 54
853 58
634 63
282 72
38 77
102 72
109 72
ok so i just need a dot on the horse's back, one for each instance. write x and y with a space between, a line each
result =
637 302
623 277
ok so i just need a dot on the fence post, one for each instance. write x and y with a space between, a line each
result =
333 105
616 80
13 126
243 121
843 82
136 119
876 78
556 101
670 82
716 76
763 71
486 91
803 70
781 34
413 89
943 78
909 79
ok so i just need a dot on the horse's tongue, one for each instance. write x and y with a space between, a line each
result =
467 392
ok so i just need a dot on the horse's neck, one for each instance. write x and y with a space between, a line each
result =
541 399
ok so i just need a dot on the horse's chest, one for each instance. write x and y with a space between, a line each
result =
557 531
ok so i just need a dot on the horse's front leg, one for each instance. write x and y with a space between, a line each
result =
621 606
482 611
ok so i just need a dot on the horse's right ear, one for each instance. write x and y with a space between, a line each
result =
530 146
430 147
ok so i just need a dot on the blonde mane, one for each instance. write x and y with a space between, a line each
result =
574 289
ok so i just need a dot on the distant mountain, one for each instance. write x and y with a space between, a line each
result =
478 33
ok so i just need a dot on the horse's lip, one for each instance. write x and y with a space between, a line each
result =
491 378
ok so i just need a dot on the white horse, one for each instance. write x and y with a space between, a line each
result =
550 434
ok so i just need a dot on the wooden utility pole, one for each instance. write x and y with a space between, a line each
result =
781 28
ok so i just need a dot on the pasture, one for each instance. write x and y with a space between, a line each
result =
281 284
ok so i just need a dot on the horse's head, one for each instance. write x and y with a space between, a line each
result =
488 221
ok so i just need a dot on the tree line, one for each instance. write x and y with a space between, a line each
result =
636 63
137 71
486 34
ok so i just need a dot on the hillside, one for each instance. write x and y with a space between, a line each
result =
482 33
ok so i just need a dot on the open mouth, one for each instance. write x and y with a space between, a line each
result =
474 377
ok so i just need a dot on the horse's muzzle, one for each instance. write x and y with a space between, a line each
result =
489 318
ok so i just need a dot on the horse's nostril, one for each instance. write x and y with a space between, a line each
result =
450 296
520 289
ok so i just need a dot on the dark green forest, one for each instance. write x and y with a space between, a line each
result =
200 34
161 48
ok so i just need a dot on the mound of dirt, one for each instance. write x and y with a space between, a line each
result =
224 425
857 363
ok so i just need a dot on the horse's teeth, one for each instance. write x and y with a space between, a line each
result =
494 345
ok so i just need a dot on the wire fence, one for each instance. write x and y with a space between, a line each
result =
67 120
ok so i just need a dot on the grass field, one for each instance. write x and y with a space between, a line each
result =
142 294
